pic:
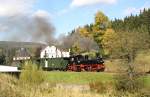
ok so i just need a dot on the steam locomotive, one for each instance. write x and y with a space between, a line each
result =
75 63
84 63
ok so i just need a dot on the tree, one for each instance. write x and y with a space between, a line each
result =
2 56
145 18
109 38
90 36
75 49
101 25
9 54
133 22
117 25
101 20
2 59
85 31
125 44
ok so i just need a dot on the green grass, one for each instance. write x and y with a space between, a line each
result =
84 77
78 77
146 80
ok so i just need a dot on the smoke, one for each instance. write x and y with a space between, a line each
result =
20 22
85 43
33 28
41 29
38 28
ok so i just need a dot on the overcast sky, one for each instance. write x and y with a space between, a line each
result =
65 15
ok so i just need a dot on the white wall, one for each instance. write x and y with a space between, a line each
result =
65 54
8 69
53 52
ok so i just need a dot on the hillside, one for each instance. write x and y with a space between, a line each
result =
13 44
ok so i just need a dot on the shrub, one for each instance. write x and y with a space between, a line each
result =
8 86
126 84
31 74
98 87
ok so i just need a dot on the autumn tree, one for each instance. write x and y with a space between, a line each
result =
125 44
103 31
97 30
75 49
109 38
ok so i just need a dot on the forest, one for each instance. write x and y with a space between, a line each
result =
118 38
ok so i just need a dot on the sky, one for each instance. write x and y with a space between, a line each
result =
64 15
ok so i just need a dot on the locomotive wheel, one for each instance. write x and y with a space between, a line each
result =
89 68
101 70
78 70
98 70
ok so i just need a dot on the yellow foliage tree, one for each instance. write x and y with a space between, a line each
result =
109 38
97 30
101 26
100 18
84 32
76 48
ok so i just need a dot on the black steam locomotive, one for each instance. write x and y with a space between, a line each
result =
84 63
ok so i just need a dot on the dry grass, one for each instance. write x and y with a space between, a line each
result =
10 87
142 61
115 65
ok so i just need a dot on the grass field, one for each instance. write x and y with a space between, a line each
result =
84 77
147 80
78 77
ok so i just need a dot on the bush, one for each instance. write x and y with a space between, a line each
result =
8 86
125 84
32 74
98 87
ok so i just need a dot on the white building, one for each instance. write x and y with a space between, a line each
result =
53 52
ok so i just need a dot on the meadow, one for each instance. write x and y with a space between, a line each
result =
78 77
13 87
